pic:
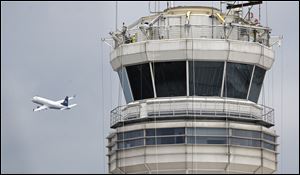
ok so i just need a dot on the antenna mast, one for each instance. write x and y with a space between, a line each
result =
116 15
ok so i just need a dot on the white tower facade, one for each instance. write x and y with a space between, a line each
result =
192 77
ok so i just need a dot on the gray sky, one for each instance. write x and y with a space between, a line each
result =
53 49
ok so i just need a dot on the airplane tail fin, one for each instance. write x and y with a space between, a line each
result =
66 101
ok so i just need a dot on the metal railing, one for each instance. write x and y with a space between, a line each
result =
193 108
233 32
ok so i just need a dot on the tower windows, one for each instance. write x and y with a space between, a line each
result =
165 131
257 81
245 142
195 135
170 78
237 80
206 131
125 85
206 140
140 81
245 133
204 78
165 140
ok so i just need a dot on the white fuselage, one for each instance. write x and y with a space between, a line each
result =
51 104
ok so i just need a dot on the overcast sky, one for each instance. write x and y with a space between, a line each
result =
53 49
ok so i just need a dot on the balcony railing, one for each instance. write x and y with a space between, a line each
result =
232 31
193 108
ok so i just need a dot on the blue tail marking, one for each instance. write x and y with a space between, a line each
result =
66 101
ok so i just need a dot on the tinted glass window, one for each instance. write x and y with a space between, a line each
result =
245 142
165 131
206 131
131 143
206 140
151 132
257 81
245 133
205 78
165 140
140 81
170 78
130 134
269 137
269 146
237 80
125 85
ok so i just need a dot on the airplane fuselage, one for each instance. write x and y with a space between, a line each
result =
51 104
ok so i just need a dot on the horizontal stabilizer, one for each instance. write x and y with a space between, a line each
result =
69 107
72 97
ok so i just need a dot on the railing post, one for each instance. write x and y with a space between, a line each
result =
172 106
239 110
216 109
273 116
187 106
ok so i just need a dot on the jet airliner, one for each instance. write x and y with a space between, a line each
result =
49 104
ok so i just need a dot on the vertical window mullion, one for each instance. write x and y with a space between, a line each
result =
152 78
127 79
187 79
250 82
223 79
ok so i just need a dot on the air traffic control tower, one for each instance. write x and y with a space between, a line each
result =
191 77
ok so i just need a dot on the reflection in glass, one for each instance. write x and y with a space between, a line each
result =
245 142
140 81
131 143
257 81
130 134
165 131
206 140
125 85
165 140
205 78
245 133
269 146
170 78
237 80
269 137
206 131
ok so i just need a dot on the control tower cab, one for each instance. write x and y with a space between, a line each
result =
192 77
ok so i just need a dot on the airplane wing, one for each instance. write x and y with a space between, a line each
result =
44 107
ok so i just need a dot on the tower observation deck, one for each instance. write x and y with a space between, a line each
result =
191 77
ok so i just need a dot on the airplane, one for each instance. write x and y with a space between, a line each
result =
49 104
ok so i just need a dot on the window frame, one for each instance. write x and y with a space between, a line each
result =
139 95
225 90
160 94
204 65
